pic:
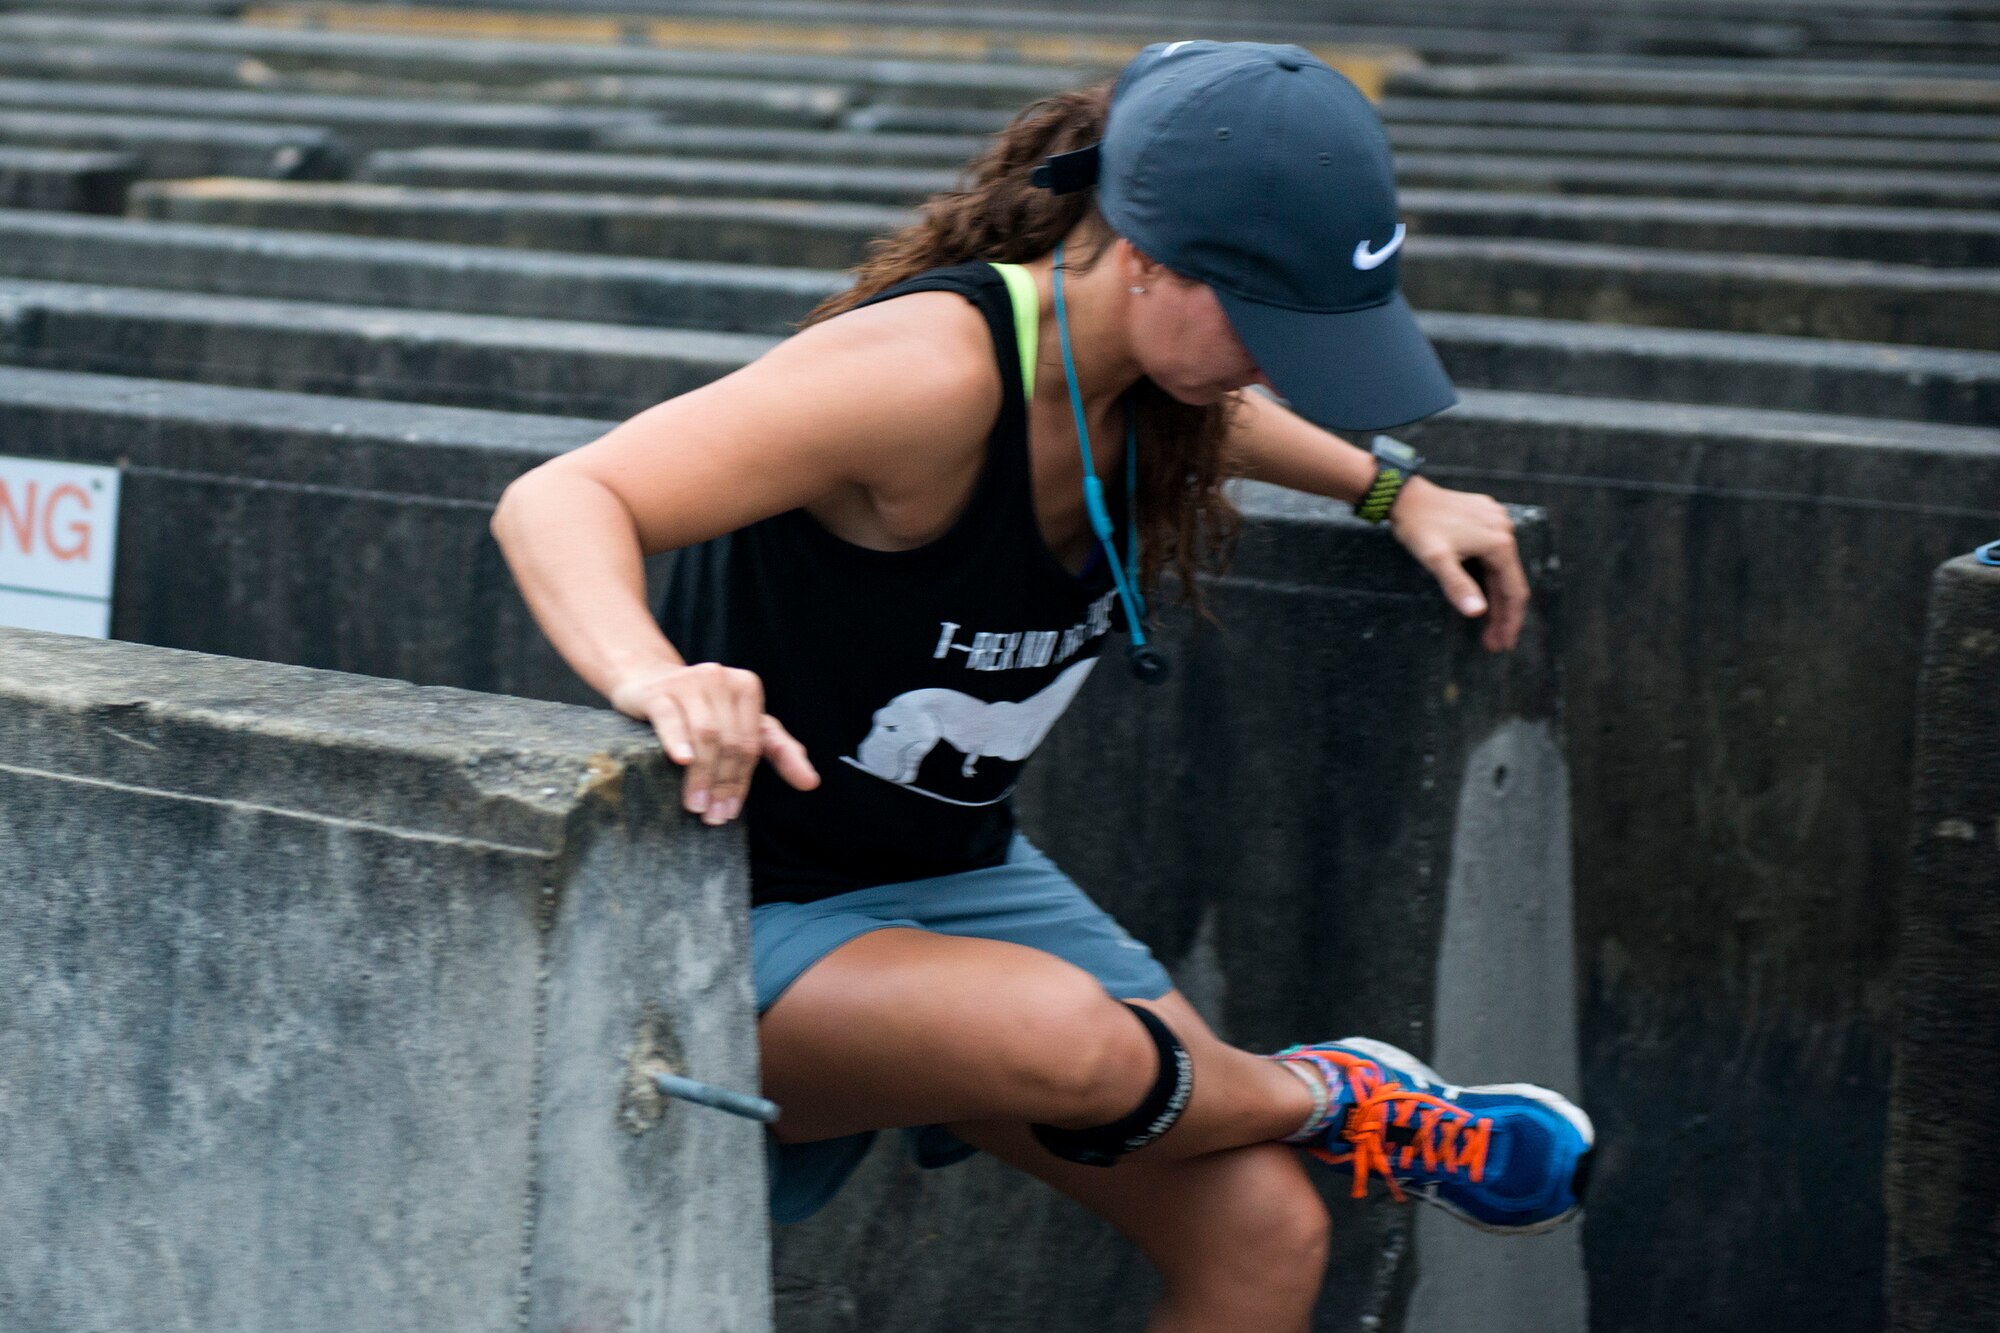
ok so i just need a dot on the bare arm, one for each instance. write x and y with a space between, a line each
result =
830 409
1442 528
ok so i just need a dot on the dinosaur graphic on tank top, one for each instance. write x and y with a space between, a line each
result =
910 726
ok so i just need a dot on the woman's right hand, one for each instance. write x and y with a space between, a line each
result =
711 720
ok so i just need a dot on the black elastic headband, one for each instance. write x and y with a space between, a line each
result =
1066 173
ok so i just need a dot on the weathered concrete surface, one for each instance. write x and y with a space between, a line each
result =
1610 284
43 60
1744 621
1944 1167
1724 119
323 995
1935 237
1291 901
1676 145
743 231
1508 950
1402 113
1724 369
169 147
65 181
563 367
500 169
500 63
361 121
821 146
1712 83
1844 299
408 274
610 370
1704 180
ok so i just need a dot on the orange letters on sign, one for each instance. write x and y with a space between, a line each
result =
20 521
79 532
70 542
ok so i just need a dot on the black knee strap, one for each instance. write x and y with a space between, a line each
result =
1105 1144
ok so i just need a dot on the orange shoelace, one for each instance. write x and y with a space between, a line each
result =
1391 1128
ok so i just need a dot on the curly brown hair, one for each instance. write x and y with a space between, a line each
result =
1186 520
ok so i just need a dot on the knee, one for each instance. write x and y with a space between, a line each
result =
1264 1248
1077 1052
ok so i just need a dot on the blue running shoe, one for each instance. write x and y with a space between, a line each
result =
1507 1157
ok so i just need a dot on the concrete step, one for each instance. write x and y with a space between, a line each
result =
1718 369
890 148
497 62
1636 146
739 231
603 370
1873 186
169 147
1853 300
135 64
604 173
1931 237
361 121
1938 237
803 146
562 367
1727 87
1496 115
71 182
420 275
1815 298
1484 111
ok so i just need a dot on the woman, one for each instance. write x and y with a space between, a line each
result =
900 564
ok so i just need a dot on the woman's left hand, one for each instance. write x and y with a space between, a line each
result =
1443 529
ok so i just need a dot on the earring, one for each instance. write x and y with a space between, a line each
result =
1135 289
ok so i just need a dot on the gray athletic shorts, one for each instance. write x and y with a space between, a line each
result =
1026 900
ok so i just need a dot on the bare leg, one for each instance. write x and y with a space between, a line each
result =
905 1027
1239 1236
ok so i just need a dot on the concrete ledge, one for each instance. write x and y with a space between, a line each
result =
1821 298
67 182
1688 146
809 146
563 367
736 231
1745 589
1943 1169
362 121
167 147
1729 120
615 173
349 979
1933 237
405 274
1723 82
613 370
1872 186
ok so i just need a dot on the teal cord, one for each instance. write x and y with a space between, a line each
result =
1093 489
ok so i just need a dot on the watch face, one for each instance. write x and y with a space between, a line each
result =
1393 450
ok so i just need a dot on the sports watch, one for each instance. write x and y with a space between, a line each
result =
1395 463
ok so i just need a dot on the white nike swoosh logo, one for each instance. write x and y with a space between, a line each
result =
1365 259
1171 49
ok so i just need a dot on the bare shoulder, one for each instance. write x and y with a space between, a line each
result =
845 403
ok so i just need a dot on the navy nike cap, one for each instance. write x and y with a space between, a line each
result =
1261 171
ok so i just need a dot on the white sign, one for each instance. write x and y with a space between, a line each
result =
58 544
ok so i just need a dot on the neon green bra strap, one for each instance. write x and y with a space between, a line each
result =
1027 319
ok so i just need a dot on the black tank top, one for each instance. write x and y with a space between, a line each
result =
919 681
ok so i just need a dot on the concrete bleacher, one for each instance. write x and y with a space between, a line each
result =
332 1002
1721 277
